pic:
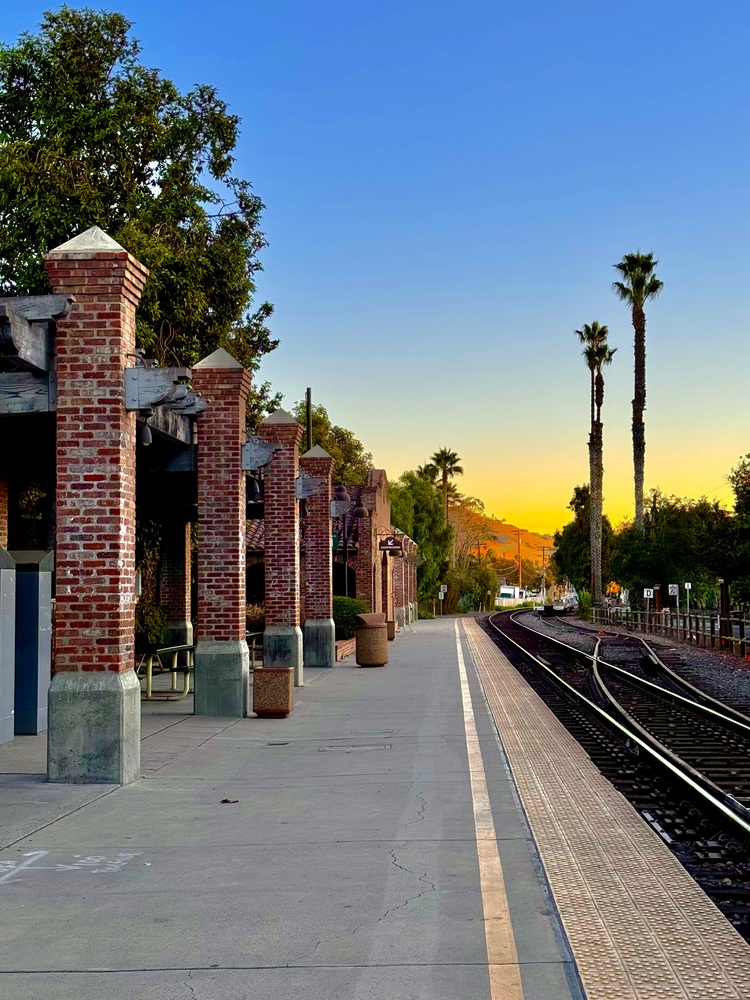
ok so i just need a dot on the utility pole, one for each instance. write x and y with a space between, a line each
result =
520 569
544 573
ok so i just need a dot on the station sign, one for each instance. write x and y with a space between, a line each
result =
688 586
674 590
390 544
648 591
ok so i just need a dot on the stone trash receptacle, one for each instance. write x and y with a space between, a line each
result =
391 629
273 691
371 640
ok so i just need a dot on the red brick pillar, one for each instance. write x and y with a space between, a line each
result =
95 697
400 575
365 555
282 639
3 514
319 637
175 582
222 660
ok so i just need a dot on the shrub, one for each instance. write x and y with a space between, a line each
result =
585 603
424 612
150 626
345 611
255 616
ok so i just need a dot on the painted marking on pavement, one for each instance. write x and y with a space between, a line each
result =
93 864
504 971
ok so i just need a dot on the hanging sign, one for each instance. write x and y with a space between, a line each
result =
390 544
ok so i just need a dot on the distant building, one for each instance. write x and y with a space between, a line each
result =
507 596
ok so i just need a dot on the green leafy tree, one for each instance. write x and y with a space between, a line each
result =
682 539
90 136
351 463
448 465
638 284
734 557
597 354
417 510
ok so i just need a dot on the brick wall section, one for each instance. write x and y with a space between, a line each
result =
221 503
282 524
3 514
318 562
175 570
363 565
399 565
95 552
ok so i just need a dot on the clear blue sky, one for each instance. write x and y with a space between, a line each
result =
447 187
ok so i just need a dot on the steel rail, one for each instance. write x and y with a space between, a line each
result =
727 714
723 803
726 710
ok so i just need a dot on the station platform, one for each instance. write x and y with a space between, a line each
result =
421 830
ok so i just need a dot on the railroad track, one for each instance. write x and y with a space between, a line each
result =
681 757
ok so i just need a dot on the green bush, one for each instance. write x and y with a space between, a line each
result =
585 603
426 613
150 626
345 611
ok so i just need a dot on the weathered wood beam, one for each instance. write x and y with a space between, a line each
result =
24 392
26 329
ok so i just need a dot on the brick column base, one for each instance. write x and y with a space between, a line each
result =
319 642
92 717
222 674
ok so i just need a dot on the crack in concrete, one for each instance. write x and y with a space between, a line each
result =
431 887
187 983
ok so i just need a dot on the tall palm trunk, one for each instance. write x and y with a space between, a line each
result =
593 518
639 405
597 493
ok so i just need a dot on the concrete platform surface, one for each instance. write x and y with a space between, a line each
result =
344 865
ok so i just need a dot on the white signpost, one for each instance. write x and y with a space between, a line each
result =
688 588
648 593
674 591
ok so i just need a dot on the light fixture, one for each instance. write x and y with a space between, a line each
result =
361 511
146 435
341 494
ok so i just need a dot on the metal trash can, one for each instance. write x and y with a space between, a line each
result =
371 636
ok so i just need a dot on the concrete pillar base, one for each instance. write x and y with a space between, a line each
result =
222 678
94 727
320 642
282 647
179 633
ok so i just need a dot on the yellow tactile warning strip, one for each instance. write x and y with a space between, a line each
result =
502 960
639 926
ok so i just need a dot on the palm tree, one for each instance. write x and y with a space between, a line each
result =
597 354
638 285
446 462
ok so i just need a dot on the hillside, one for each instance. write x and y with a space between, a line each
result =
500 537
